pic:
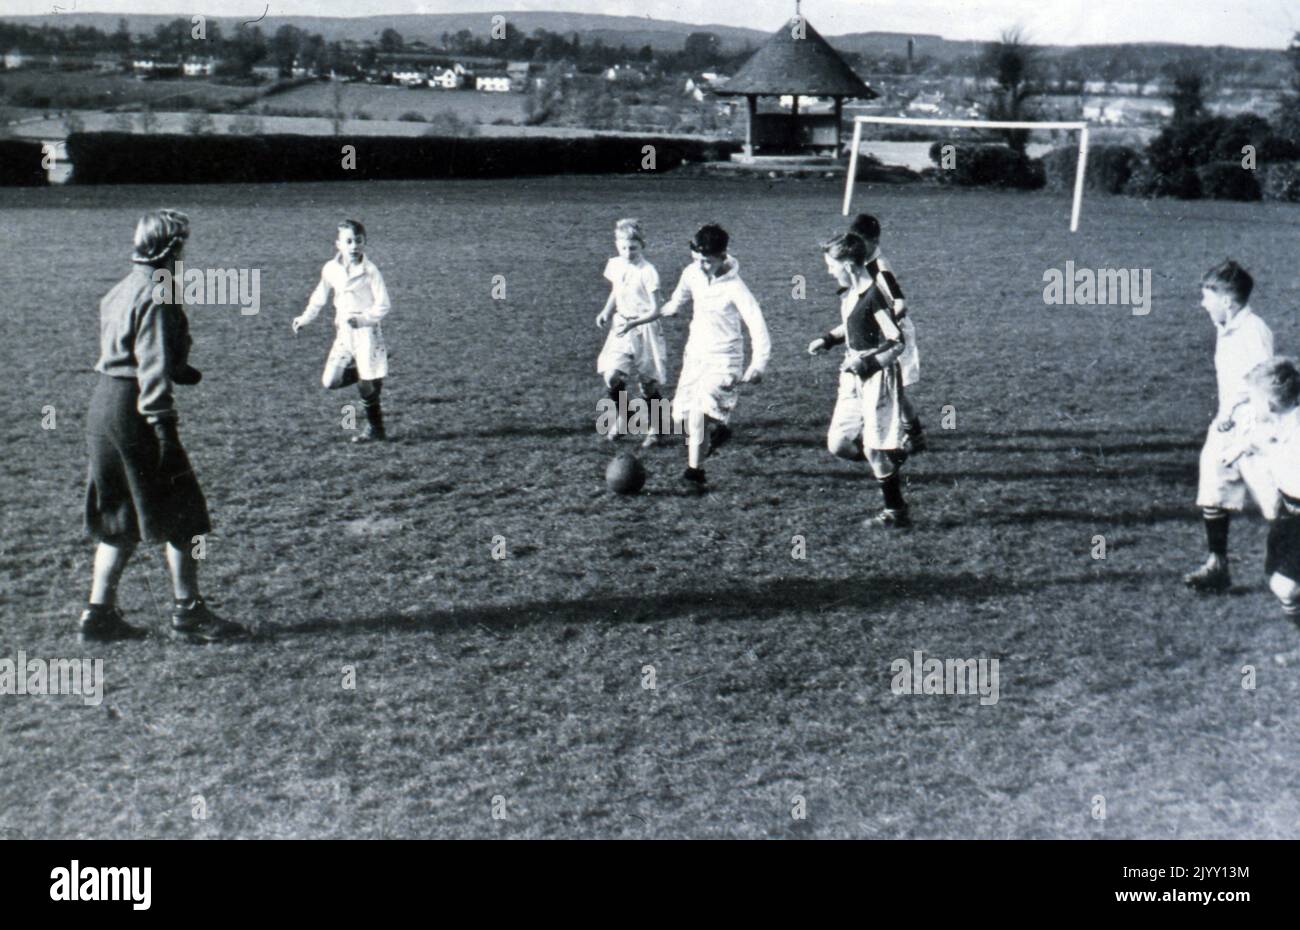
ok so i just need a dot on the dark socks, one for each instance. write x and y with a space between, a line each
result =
892 490
1216 531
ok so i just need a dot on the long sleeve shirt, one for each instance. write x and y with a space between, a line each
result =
1243 342
143 339
358 291
721 305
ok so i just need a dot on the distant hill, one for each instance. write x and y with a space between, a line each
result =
661 35
631 31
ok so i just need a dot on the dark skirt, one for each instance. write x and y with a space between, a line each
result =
128 497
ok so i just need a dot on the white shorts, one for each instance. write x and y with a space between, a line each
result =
1225 486
363 347
642 354
867 413
910 361
709 384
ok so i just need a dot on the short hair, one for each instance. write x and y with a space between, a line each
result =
711 239
848 247
355 225
866 226
631 228
1230 278
1279 379
157 234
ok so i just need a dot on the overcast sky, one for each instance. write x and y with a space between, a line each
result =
1250 23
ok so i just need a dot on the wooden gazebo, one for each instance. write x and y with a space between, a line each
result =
797 62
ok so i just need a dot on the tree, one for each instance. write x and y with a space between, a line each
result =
391 41
1288 111
1188 97
701 49
1012 63
284 47
121 41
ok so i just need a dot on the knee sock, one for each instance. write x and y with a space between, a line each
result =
654 400
891 488
1216 530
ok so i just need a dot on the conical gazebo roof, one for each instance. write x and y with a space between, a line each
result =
789 65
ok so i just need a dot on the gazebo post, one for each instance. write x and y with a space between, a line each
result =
839 126
751 107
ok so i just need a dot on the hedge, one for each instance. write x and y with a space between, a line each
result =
1109 167
20 164
1281 182
126 158
988 165
1228 180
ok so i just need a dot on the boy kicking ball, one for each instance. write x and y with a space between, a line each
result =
635 348
868 420
359 355
1244 342
713 363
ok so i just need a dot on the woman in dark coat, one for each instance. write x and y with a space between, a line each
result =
141 486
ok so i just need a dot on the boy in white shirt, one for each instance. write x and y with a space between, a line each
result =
713 363
1244 341
635 348
1274 389
359 355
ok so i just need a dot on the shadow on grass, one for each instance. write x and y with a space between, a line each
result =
757 602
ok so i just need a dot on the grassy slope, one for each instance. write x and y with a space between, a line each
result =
522 677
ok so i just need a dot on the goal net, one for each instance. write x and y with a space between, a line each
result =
859 121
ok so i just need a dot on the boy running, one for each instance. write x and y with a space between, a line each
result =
867 423
879 270
634 349
1244 341
713 363
359 355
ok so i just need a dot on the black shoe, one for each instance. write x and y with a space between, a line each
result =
719 436
693 481
374 430
1211 578
195 623
371 433
889 519
100 624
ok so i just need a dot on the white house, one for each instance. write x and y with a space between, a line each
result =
448 78
197 67
14 59
493 83
143 65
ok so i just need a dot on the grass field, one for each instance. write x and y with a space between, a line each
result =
391 102
521 679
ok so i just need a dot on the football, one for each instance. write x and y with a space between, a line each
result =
625 474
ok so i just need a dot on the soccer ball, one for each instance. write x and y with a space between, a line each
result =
625 474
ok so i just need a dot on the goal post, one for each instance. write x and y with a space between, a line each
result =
1079 172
